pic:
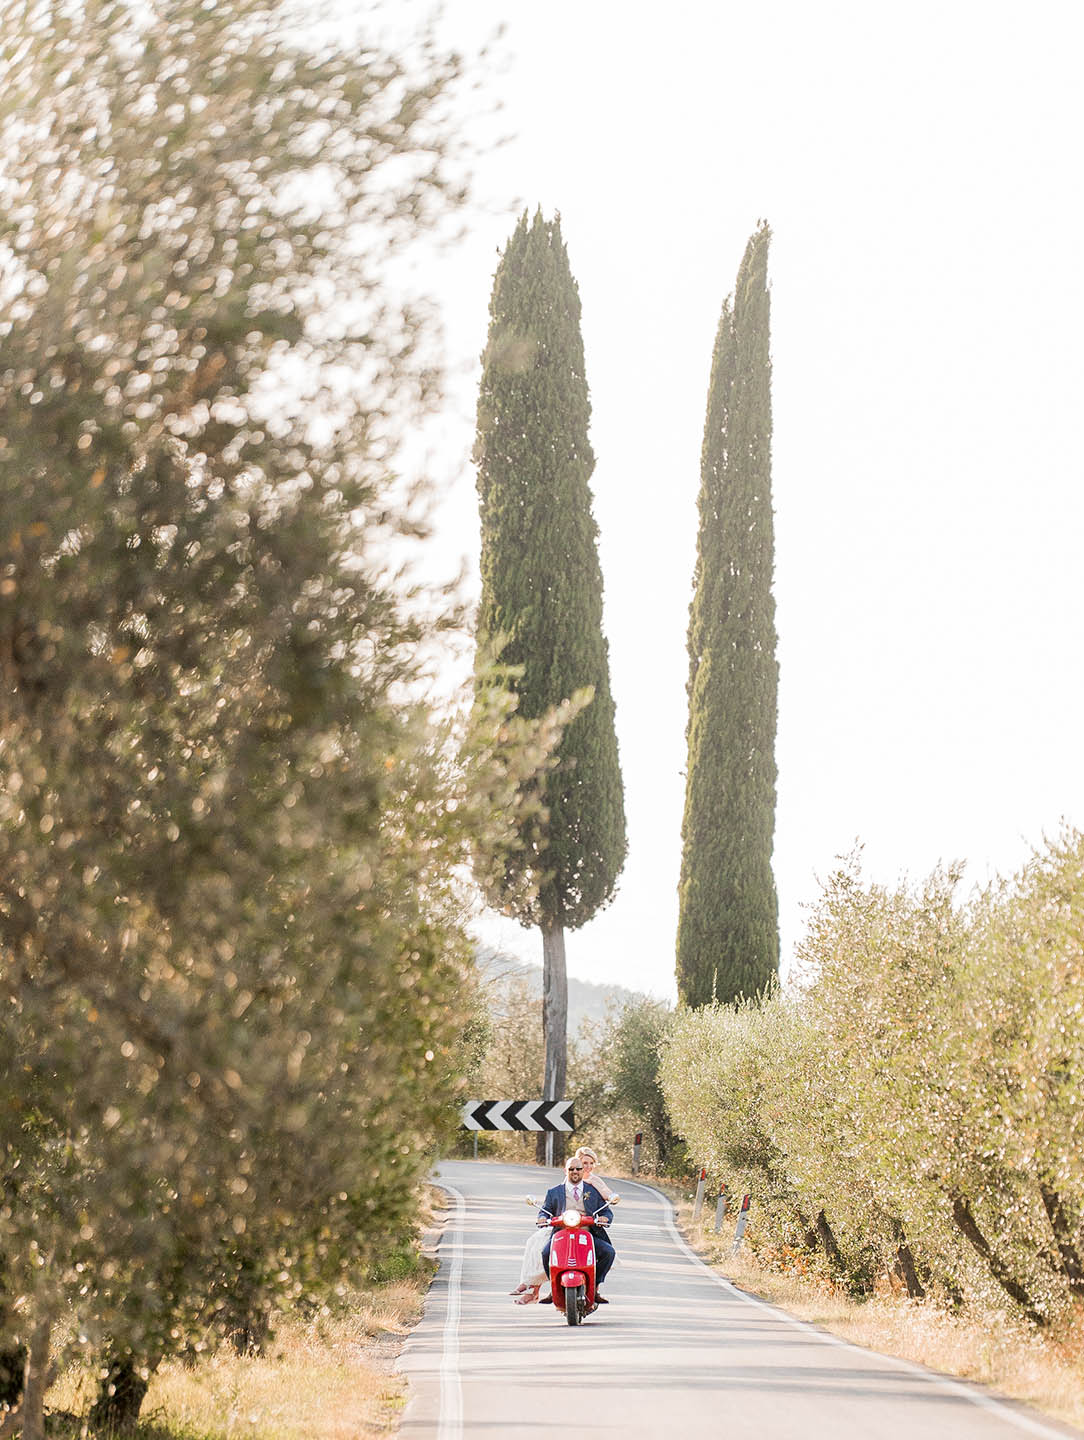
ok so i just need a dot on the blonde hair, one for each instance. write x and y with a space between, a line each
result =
586 1153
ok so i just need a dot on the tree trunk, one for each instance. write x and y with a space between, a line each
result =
554 1033
249 1336
1066 1238
36 1380
905 1264
246 1316
908 1272
662 1135
809 1234
120 1395
968 1227
831 1246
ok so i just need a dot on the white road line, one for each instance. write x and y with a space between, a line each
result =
953 1387
450 1424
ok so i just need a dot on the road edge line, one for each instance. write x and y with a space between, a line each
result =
955 1387
450 1421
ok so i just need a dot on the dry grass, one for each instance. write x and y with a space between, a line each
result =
1009 1357
328 1378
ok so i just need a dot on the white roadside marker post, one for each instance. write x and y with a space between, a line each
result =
739 1233
698 1203
720 1207
637 1142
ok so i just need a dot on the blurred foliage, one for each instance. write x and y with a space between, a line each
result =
914 1107
398 1262
623 1090
232 951
510 1056
612 1077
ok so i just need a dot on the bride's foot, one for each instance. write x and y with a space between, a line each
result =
530 1294
519 1289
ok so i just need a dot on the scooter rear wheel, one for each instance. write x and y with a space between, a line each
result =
574 1299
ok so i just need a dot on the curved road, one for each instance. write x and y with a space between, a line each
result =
677 1348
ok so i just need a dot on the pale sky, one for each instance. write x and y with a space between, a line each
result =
920 168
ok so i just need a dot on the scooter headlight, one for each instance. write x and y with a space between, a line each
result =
571 1218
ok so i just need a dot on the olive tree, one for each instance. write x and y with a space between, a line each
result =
231 940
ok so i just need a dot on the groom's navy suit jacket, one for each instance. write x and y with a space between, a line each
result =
592 1203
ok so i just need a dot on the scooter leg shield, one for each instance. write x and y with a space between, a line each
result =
572 1264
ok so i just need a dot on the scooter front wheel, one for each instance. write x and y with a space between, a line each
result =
575 1303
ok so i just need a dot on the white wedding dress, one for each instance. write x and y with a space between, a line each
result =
531 1271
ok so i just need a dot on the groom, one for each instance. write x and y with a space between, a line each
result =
579 1194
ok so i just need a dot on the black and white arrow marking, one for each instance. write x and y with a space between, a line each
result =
517 1115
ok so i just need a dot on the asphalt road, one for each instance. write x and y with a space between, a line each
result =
678 1349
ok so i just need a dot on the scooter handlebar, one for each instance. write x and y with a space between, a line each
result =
555 1220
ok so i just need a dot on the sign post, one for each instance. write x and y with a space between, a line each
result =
637 1142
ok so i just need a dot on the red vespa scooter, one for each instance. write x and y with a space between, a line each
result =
572 1261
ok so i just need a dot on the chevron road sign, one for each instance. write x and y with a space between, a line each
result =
516 1115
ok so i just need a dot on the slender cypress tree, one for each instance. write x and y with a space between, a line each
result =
542 596
728 938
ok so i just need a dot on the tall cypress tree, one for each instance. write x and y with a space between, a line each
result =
542 595
728 937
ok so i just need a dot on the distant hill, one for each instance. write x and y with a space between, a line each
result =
586 1001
